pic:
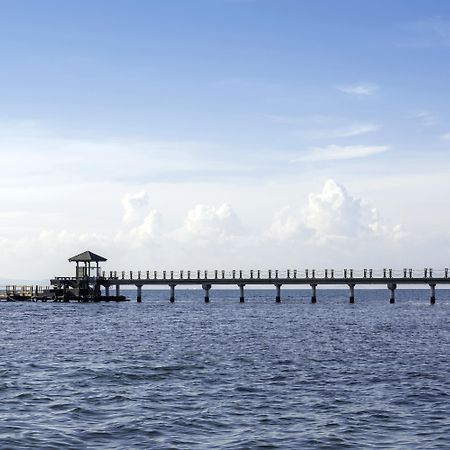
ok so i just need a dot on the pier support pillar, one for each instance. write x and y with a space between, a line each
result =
65 292
392 288
106 290
278 293
172 293
206 288
433 294
117 290
97 291
241 293
352 292
313 293
139 293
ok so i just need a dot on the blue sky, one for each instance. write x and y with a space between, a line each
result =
213 67
229 100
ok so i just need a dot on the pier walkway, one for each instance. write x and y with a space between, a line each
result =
293 277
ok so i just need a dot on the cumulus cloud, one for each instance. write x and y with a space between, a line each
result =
286 225
150 230
133 205
333 211
337 152
359 89
142 225
334 214
332 227
210 222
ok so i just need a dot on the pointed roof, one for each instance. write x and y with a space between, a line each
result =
87 257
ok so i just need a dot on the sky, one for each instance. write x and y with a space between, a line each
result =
224 134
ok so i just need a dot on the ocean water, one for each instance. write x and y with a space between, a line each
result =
226 375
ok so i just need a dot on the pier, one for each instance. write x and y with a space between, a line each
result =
90 279
91 283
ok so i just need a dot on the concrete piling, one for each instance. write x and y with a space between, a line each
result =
241 293
139 293
392 287
433 293
352 293
278 293
313 293
206 288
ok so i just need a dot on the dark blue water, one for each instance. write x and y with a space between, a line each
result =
258 375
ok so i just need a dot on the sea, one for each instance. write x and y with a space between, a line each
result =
226 375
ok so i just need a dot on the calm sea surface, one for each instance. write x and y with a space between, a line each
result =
225 375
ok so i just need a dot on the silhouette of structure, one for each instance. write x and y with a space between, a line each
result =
90 285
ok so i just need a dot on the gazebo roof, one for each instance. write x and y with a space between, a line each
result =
87 257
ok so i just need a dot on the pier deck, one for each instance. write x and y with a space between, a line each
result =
313 278
90 283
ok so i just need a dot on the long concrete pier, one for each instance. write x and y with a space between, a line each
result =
277 278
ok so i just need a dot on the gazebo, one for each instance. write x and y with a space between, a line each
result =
87 258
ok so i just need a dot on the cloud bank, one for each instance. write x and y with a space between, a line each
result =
332 220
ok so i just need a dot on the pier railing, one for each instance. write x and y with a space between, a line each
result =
22 291
274 274
93 287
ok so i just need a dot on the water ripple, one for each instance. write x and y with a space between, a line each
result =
227 375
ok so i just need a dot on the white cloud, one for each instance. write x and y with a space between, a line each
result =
359 89
330 227
333 212
133 204
323 127
425 118
446 136
286 225
145 225
338 152
205 222
150 230
331 215
96 175
58 159
51 247
352 130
